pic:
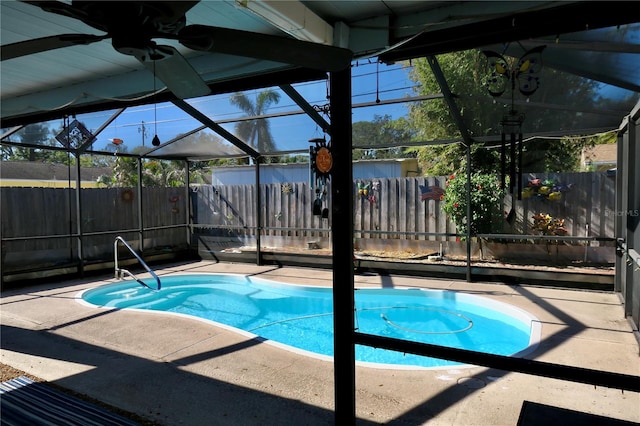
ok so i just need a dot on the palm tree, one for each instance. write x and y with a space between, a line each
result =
255 130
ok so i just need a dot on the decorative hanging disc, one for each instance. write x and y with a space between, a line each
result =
321 158
75 135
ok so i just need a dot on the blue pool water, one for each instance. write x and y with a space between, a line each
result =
301 317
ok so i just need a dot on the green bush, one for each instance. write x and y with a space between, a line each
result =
486 203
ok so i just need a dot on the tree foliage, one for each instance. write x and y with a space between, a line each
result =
433 121
155 173
382 132
465 72
37 134
256 131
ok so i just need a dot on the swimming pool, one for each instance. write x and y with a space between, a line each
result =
300 317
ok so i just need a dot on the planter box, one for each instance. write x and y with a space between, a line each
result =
547 253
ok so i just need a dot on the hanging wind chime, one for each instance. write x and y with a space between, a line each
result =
321 163
523 75
156 140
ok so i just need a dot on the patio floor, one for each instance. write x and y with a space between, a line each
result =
182 371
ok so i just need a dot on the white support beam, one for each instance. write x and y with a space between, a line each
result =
292 17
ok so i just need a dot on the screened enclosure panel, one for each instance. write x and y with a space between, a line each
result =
563 105
203 144
133 130
611 54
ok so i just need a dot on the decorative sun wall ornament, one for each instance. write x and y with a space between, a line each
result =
286 188
321 157
321 162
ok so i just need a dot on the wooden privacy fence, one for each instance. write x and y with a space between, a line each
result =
398 208
402 208
40 225
53 211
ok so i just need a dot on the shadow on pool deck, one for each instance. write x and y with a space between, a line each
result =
163 386
183 371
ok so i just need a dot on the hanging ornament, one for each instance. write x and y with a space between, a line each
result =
321 158
321 162
156 140
523 74
74 135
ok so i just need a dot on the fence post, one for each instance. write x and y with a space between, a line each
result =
140 218
258 212
79 216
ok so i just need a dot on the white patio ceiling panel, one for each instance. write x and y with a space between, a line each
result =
87 78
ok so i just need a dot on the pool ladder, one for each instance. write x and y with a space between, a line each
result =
120 272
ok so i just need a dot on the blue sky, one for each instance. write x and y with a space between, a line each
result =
370 80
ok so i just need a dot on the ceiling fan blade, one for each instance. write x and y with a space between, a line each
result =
170 67
37 45
153 17
267 47
68 10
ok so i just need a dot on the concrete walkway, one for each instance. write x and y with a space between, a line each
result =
182 371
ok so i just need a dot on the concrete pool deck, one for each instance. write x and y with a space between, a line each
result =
182 371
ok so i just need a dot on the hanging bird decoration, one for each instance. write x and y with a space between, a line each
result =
524 75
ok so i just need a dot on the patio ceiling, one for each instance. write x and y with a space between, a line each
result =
239 45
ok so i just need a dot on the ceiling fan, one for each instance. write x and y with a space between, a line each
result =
132 26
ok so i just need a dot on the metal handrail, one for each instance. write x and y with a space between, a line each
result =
119 272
